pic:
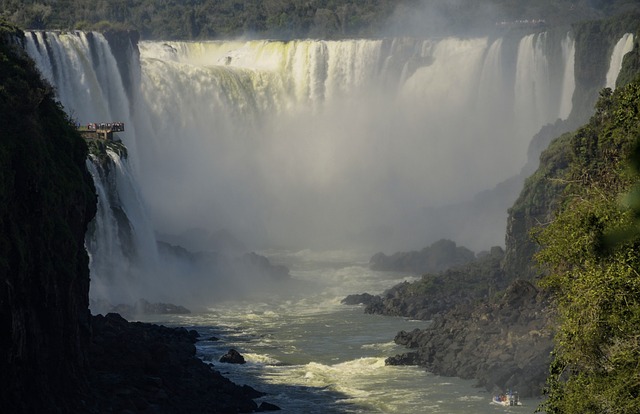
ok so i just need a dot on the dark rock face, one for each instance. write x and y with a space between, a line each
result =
233 357
441 255
47 199
140 367
503 344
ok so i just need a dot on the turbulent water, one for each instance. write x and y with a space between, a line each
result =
313 355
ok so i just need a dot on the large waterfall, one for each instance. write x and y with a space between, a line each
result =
309 142
306 143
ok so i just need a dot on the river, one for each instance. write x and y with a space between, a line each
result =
311 354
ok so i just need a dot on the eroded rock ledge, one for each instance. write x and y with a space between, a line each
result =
504 343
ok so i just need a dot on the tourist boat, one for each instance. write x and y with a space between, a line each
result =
507 400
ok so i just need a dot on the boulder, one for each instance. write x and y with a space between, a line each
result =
360 299
232 357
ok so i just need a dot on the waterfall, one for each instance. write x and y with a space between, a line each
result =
121 242
568 79
305 143
331 124
624 46
104 243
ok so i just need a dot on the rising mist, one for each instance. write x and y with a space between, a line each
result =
331 144
358 144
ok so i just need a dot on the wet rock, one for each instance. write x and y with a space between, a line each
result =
233 357
360 299
265 406
503 343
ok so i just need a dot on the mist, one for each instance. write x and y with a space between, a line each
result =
360 145
333 144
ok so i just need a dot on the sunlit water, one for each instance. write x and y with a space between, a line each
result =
311 354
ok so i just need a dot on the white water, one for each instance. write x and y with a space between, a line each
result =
313 142
120 266
624 46
313 355
307 143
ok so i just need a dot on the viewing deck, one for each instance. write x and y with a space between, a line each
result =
100 130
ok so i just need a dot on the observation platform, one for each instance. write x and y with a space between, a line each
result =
100 130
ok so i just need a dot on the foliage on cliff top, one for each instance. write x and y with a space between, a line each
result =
596 284
98 149
157 19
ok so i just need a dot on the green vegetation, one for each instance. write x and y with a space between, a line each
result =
591 251
98 149
477 279
198 19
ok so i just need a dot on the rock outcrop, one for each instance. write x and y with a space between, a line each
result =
138 367
437 293
440 256
503 344
232 357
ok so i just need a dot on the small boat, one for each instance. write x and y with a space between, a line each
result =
509 399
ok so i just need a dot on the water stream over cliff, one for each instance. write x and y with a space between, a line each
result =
311 143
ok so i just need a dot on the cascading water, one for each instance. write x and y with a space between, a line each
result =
310 143
120 241
313 142
624 46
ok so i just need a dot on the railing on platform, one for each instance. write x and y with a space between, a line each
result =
102 130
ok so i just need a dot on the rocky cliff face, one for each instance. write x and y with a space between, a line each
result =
503 343
46 201
534 207
595 41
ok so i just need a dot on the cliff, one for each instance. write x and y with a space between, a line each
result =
46 202
502 343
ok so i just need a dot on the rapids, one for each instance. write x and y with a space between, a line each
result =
313 355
